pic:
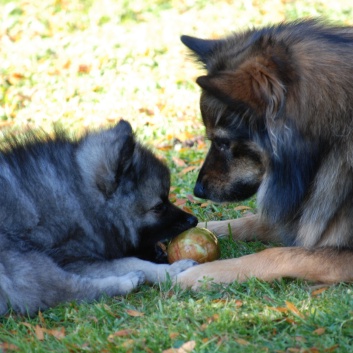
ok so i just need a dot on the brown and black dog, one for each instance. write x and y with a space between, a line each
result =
277 104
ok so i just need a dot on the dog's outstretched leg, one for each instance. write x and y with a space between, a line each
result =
324 265
31 281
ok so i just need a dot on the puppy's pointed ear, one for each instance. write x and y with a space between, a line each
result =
254 83
105 156
201 47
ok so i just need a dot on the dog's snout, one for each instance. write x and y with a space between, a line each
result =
192 220
199 190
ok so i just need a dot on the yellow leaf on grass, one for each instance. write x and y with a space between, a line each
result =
5 346
188 169
179 162
39 332
291 307
242 342
279 309
187 209
134 312
179 202
242 208
120 333
318 291
319 331
173 335
185 348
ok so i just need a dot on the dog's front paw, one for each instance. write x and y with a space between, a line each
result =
180 266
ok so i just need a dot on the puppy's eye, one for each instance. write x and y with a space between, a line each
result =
222 144
159 207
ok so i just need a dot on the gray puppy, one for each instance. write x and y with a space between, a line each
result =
79 219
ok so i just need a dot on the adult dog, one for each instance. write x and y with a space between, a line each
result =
277 104
79 219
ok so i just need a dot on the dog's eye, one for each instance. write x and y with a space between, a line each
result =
160 207
221 144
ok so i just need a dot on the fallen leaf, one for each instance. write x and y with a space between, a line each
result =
291 307
187 209
188 346
84 68
173 335
188 169
185 348
242 208
39 332
5 346
120 333
319 331
192 199
41 318
179 162
279 309
134 313
242 342
179 202
318 291
128 343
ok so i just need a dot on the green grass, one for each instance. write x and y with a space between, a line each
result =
88 63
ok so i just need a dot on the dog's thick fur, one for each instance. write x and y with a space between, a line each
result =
74 214
277 104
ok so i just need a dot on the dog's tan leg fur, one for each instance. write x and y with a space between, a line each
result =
323 265
245 229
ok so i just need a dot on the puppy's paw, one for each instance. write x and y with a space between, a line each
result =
127 283
180 266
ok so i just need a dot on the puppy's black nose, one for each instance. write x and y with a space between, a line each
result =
192 220
199 190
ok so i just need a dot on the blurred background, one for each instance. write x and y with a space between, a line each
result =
87 63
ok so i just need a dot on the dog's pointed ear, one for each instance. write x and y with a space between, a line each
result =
255 83
105 156
201 47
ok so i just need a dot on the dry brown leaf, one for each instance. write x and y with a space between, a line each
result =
318 291
120 333
242 342
5 346
41 318
179 162
279 309
192 199
27 325
134 313
188 346
84 68
188 169
319 331
312 350
187 209
291 307
238 303
174 335
179 202
242 208
39 332
185 348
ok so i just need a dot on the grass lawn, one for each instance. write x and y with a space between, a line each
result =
89 63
